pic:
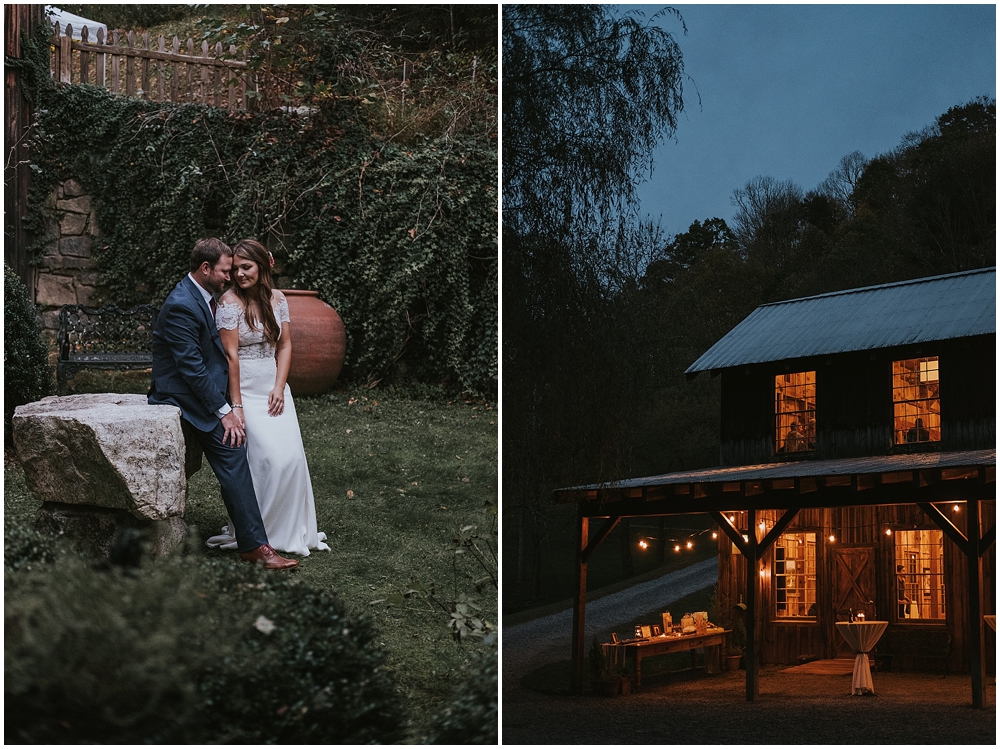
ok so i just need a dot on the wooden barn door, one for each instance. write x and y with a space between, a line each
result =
853 588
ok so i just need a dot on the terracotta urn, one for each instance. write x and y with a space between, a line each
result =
318 343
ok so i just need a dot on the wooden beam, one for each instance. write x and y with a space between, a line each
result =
752 686
945 524
989 538
777 530
602 534
734 535
975 563
579 606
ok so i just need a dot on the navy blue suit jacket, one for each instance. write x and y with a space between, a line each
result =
190 369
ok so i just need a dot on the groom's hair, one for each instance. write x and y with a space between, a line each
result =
208 250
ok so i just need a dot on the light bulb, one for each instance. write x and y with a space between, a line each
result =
832 538
690 545
888 531
714 534
677 547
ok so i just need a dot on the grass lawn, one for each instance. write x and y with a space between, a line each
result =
394 478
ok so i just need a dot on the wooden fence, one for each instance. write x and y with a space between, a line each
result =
126 64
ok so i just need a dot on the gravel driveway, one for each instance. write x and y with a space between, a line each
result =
532 644
692 707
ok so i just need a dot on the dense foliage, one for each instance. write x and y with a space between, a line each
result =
472 716
26 372
399 239
184 650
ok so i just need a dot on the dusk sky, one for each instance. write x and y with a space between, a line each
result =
787 90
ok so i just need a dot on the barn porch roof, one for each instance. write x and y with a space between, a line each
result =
888 479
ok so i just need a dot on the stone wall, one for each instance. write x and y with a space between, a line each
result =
66 272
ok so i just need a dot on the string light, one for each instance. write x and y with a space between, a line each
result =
677 547
888 531
832 538
643 544
690 544
714 534
955 508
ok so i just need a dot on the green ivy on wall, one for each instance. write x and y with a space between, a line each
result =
400 240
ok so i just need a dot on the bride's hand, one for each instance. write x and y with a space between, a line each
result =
276 402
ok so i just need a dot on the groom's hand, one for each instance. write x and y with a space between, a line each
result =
234 429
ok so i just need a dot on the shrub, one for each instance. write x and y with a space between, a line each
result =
472 716
188 650
24 547
26 372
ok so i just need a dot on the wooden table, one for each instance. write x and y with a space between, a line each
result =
639 649
862 636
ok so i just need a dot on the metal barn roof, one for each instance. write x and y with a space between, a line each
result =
924 309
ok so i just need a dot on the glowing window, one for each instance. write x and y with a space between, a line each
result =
919 586
916 401
795 412
795 576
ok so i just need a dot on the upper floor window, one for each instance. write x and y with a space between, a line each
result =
795 412
919 586
916 401
795 576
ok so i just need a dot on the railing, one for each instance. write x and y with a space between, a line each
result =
125 64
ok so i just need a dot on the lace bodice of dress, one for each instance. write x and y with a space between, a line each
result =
253 344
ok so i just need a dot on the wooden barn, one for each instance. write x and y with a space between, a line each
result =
857 474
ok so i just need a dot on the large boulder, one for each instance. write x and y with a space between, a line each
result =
105 450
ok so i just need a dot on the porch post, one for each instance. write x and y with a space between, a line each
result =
753 690
579 605
976 634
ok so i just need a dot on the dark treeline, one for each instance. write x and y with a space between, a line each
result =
603 313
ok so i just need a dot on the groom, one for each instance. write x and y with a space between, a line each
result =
190 371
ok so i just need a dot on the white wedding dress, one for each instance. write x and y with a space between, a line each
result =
274 445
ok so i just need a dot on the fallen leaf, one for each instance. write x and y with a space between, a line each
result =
465 481
264 625
350 494
348 431
412 233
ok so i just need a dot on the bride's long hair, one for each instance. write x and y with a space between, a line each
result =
257 299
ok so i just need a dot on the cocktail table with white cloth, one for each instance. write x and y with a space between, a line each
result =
862 636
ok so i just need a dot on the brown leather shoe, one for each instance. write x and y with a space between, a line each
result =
268 558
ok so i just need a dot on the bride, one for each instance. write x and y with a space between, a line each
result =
254 328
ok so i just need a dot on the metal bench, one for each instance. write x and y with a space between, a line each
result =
104 338
914 643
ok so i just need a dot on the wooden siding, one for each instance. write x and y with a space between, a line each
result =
20 22
861 528
854 402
